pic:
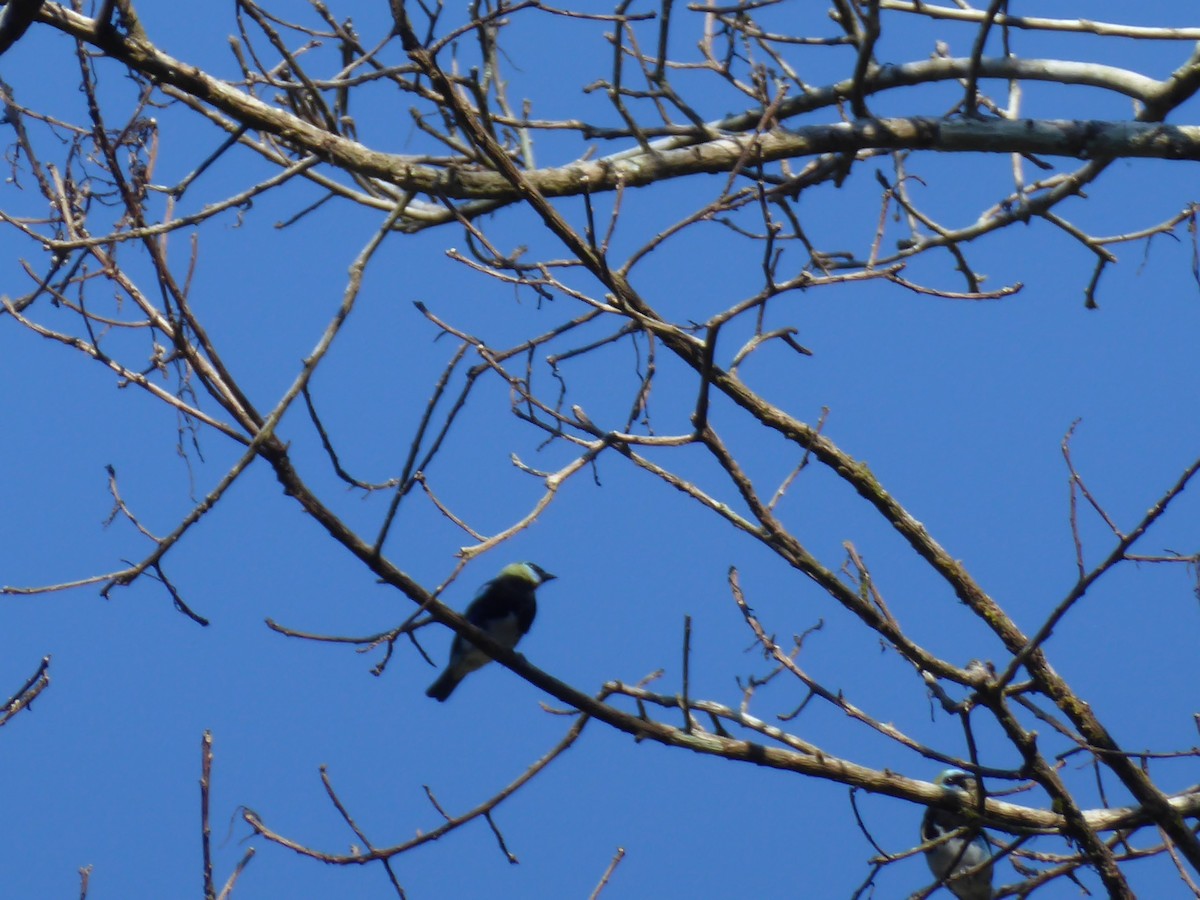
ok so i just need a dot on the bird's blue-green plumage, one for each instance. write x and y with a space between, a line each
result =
962 853
505 608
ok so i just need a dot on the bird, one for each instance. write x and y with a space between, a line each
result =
504 608
960 853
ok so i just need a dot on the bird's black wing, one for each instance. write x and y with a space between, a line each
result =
502 597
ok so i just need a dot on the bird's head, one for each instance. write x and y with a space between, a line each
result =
527 571
956 780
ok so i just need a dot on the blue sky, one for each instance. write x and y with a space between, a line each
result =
959 409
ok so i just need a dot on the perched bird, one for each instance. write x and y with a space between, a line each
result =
960 853
504 608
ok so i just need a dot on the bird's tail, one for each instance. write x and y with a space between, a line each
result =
444 686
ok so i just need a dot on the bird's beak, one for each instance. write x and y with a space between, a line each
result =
546 576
